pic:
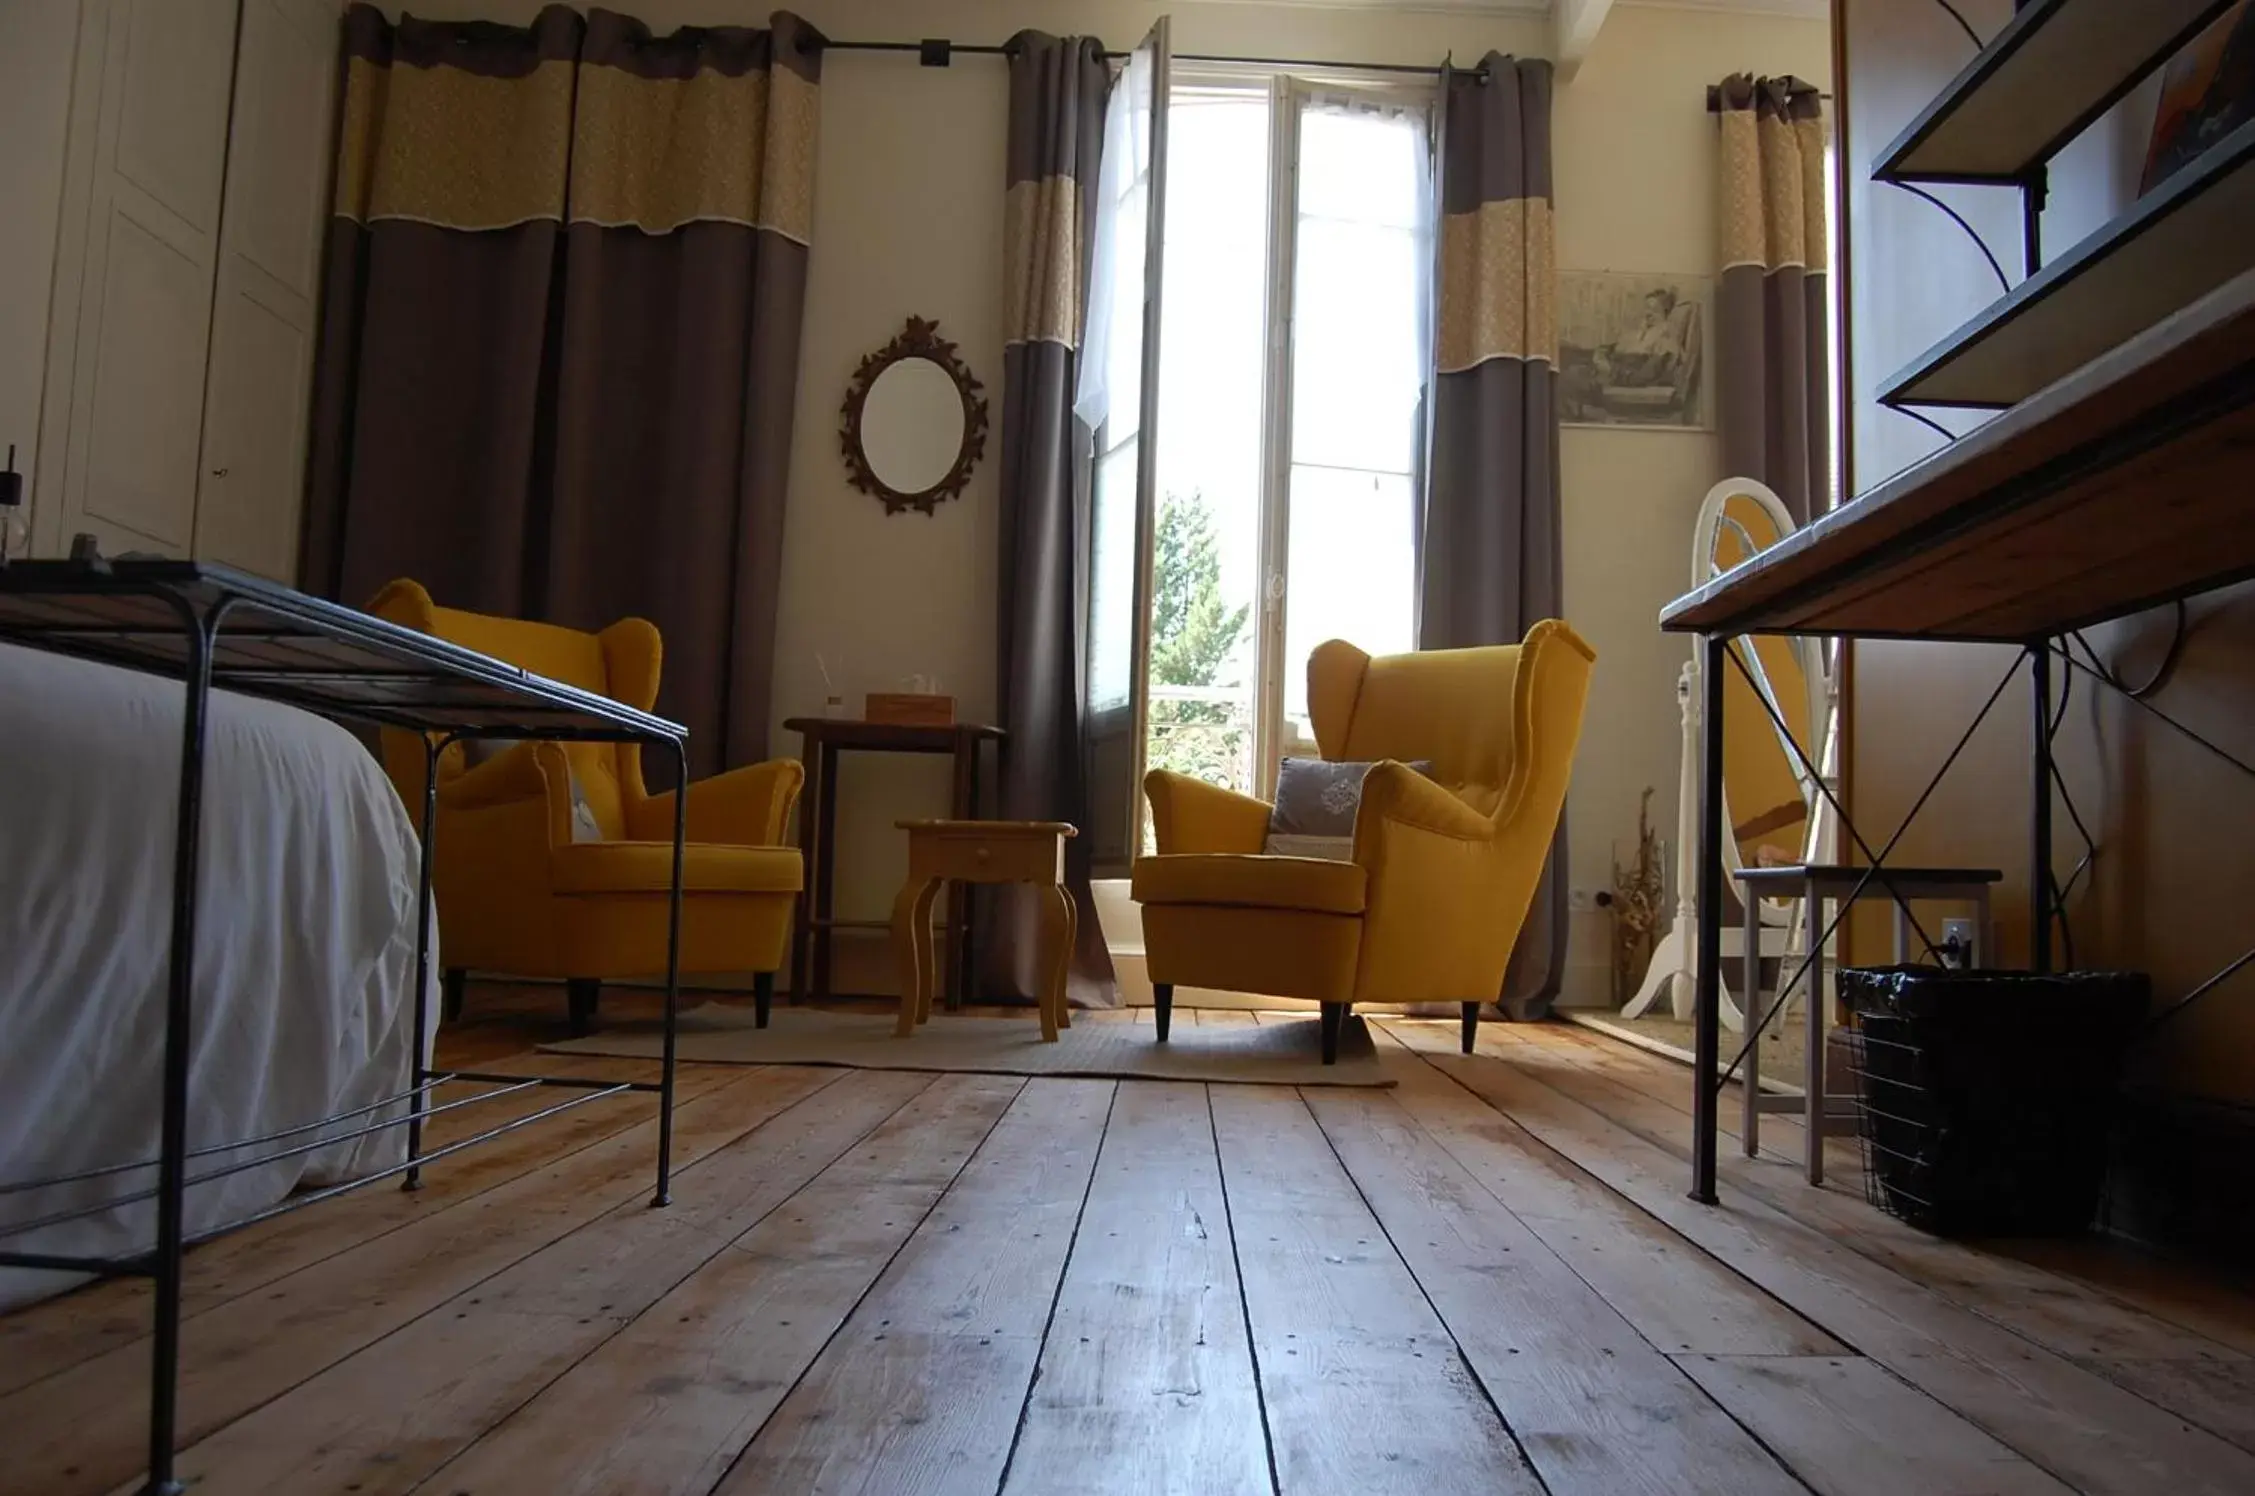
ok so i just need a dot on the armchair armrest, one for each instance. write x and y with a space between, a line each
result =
536 772
1397 794
1190 815
746 807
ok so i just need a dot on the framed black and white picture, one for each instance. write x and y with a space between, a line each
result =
1632 349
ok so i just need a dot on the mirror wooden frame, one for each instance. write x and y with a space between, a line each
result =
919 339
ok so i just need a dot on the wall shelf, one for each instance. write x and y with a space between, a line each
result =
2055 67
2181 241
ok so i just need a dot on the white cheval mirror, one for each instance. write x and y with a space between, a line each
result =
1774 810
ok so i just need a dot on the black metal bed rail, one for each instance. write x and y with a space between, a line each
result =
20 1186
243 1165
143 1263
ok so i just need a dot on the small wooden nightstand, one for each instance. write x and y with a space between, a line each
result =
940 852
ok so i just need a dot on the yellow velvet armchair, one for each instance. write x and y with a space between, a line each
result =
533 879
1444 867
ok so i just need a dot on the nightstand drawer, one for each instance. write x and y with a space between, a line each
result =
976 852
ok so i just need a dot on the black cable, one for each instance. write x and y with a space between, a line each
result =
1923 420
2161 672
1971 35
2004 282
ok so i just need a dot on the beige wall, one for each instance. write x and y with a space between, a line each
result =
2166 891
1635 155
38 43
907 219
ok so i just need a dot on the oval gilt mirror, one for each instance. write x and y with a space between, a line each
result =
914 423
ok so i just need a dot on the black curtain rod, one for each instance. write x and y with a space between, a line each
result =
934 52
1715 98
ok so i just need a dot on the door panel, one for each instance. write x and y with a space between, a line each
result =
279 154
1122 505
148 366
254 440
172 139
162 72
251 492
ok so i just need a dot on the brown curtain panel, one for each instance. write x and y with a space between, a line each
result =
560 331
1491 558
1058 87
1774 403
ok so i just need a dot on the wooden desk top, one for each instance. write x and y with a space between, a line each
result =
2122 486
890 737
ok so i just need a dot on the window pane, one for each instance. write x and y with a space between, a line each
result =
1358 361
1353 572
1206 560
1111 580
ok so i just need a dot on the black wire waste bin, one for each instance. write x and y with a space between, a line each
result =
1985 1098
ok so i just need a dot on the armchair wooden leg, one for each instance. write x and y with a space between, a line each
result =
581 994
454 987
1162 1007
1471 1025
1334 1019
763 996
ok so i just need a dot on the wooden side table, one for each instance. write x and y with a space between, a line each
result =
824 738
959 853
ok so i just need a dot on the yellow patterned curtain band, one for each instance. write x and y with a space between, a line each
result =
1499 285
467 151
1041 261
1773 191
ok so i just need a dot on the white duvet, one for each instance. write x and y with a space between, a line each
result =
305 948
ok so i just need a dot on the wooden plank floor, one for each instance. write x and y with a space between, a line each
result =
1485 1279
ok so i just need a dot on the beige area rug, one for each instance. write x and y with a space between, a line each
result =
1277 1054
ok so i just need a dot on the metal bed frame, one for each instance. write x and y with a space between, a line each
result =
211 627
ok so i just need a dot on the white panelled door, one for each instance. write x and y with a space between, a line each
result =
251 489
163 71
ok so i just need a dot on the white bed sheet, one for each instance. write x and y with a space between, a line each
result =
305 948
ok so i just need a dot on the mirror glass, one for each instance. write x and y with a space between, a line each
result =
1769 813
912 425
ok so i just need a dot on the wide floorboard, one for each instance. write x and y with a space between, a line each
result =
1485 1279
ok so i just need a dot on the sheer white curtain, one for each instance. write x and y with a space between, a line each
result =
1112 340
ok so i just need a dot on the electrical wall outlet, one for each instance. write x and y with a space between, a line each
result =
1957 942
1581 900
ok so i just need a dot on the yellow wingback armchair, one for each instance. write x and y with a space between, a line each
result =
1444 867
522 886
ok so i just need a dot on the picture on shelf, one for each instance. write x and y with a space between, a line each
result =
2207 91
1632 349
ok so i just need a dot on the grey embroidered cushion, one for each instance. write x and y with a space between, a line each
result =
1316 801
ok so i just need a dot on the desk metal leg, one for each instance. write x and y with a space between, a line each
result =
1750 1075
664 1193
2039 848
1812 1087
1707 1017
172 1164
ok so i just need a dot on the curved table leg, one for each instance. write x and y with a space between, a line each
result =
1056 935
912 951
